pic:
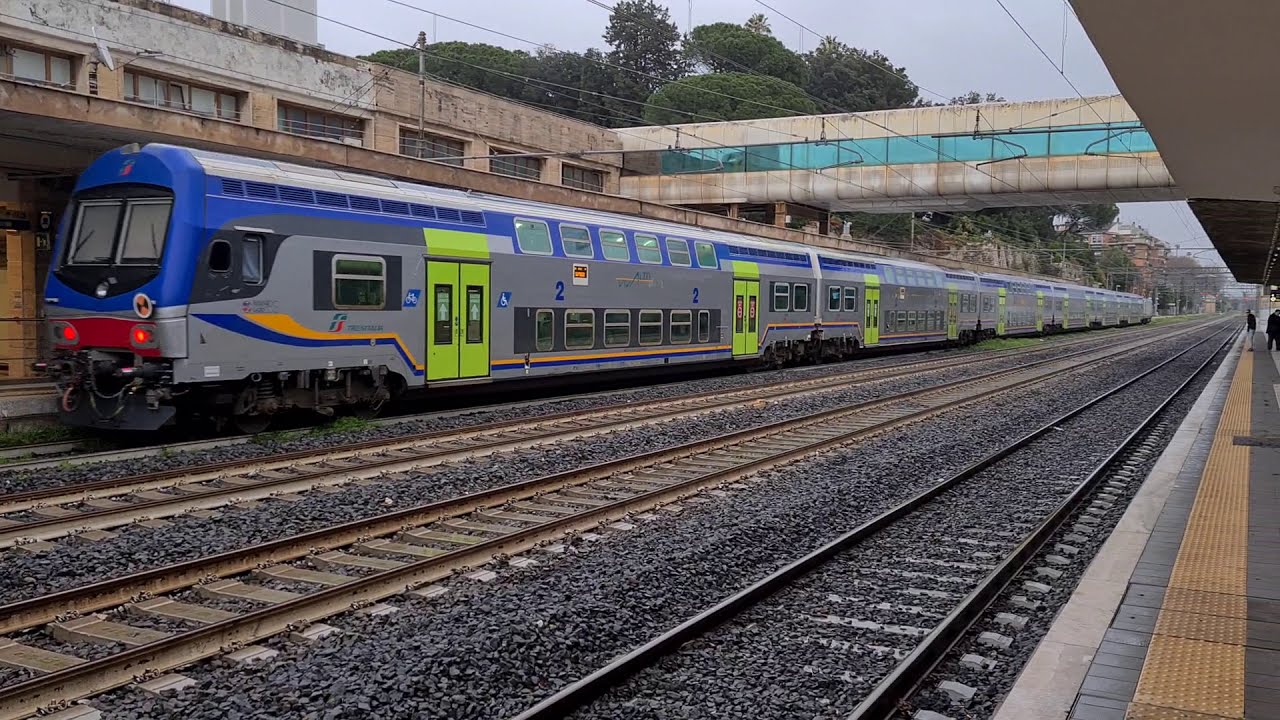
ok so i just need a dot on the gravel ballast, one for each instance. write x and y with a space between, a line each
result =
138 547
13 481
490 650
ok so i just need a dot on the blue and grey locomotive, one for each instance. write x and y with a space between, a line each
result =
236 288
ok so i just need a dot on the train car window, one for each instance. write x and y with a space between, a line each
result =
614 245
704 326
888 276
251 259
678 252
544 323
443 318
781 297
220 256
359 281
851 299
533 237
800 297
647 250
145 225
889 325
706 254
911 320
576 242
650 327
475 314
579 329
617 328
902 320
833 298
681 326
95 233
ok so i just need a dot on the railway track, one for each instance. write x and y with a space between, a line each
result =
953 583
51 455
32 517
357 564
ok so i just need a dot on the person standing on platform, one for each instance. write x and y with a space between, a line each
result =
1250 322
1273 331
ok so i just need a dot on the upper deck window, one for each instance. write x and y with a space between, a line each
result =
127 232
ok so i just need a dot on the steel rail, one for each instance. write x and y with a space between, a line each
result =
889 694
109 593
157 479
580 693
119 669
196 497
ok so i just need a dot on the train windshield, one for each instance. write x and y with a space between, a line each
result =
119 231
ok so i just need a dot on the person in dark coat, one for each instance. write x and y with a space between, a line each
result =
1273 331
1250 322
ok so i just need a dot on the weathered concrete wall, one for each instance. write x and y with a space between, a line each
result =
265 70
70 111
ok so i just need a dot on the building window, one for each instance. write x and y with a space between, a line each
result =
428 146
314 123
581 178
36 66
528 168
181 96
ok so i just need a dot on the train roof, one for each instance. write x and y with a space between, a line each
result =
248 168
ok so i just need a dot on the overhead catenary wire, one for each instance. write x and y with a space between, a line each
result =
686 132
313 91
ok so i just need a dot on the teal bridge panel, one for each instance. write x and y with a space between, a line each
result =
1111 139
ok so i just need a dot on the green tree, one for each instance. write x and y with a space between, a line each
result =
973 97
1117 269
484 67
758 24
580 86
642 37
726 96
1089 218
726 48
855 80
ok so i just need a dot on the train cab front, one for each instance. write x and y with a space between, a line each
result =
116 313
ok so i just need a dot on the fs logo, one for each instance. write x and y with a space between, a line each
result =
338 323
126 168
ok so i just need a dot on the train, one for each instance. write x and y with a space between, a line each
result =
195 284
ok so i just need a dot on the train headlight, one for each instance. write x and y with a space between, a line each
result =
143 336
101 290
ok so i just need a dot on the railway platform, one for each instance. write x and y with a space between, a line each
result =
27 404
1178 616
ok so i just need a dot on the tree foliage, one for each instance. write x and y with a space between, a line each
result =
484 67
758 24
642 37
726 96
725 48
855 80
1089 218
973 97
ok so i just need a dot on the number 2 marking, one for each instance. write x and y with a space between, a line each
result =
695 296
560 290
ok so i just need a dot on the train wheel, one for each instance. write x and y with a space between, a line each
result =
251 424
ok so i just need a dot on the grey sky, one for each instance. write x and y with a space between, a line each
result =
948 47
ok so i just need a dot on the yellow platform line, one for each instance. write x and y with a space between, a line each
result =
1195 663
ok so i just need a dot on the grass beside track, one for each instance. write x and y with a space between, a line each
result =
1005 344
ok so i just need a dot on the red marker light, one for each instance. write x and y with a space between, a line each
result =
69 333
141 336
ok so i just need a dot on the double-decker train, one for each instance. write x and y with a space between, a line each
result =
187 282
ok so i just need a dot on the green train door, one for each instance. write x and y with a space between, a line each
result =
746 317
1001 312
953 313
1066 312
457 321
1039 311
871 301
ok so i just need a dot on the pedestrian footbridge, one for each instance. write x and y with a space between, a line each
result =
964 157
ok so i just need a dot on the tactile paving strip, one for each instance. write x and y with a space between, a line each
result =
1195 663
